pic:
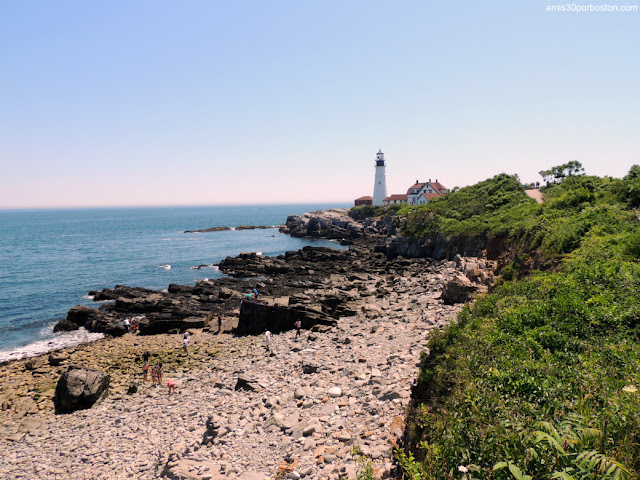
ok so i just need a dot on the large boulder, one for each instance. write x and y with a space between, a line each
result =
257 317
459 289
80 388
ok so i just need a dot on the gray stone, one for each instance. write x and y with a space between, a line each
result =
80 388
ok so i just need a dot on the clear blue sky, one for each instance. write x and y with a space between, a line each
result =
209 102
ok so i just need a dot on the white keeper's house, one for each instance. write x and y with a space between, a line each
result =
421 193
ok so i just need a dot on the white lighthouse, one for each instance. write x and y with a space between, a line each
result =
380 187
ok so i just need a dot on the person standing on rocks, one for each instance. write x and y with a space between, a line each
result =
219 323
185 342
255 293
145 370
267 339
298 326
127 324
159 372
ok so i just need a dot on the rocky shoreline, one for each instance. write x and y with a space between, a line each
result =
240 411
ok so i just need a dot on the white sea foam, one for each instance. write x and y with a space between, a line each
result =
88 297
166 267
60 340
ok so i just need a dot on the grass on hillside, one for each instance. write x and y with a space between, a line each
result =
540 378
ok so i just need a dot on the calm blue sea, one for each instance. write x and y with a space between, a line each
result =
50 259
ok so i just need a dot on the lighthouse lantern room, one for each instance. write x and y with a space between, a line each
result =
380 186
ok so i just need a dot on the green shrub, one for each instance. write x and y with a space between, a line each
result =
546 347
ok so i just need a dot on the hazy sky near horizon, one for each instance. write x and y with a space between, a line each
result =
212 102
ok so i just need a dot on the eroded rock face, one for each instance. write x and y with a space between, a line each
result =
333 223
80 388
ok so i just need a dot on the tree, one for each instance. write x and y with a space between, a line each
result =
557 173
634 173
631 187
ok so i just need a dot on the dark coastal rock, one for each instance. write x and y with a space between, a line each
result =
94 320
257 317
202 266
81 315
222 229
80 388
332 224
120 291
207 230
254 227
167 324
65 325
252 264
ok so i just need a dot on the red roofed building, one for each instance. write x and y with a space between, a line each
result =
421 193
366 200
395 198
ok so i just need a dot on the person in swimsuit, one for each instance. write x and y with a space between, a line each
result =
171 385
159 372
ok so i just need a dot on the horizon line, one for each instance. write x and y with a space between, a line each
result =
160 205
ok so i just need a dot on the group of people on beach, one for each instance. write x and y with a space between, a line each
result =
155 370
130 325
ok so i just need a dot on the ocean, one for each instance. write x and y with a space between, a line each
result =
51 259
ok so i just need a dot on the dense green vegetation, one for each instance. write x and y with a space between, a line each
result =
363 212
541 377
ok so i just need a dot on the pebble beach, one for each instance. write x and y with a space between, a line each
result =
313 405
